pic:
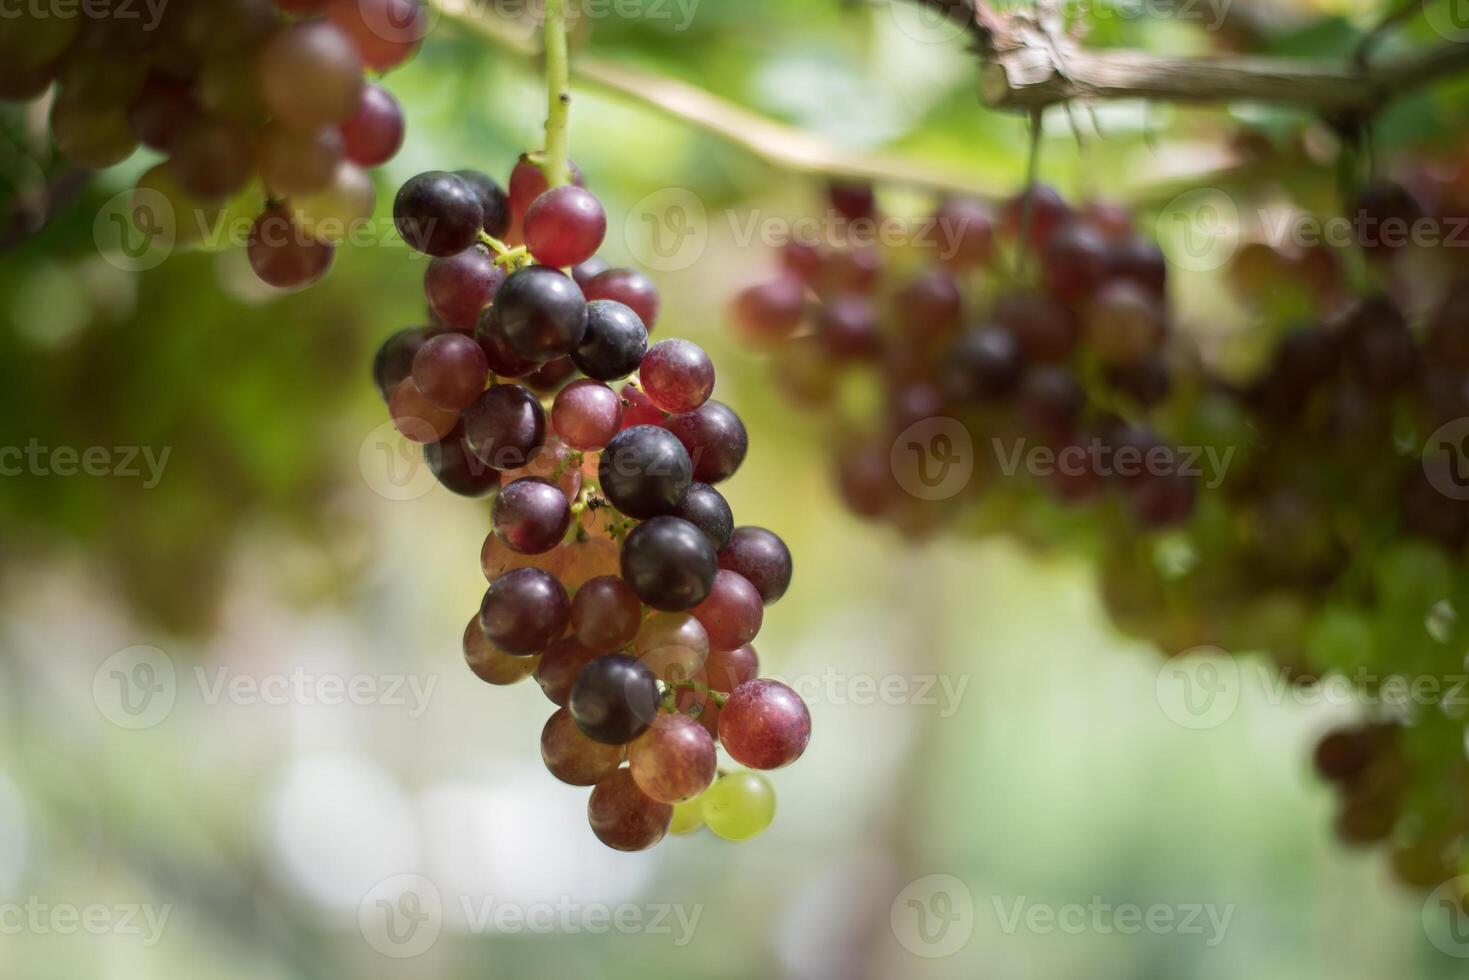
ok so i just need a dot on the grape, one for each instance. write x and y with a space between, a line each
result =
1343 754
761 558
848 328
1139 260
1050 400
459 287
343 206
764 725
505 426
92 136
705 508
629 288
33 42
1112 220
732 613
560 664
374 133
553 462
589 559
525 611
586 415
450 370
1163 499
1146 381
387 32
418 419
714 438
572 757
645 471
623 817
865 480
457 469
493 201
565 226
504 362
528 182
637 409
614 699
295 162
1074 262
674 760
739 806
853 270
491 665
550 376
669 563
770 311
677 376
230 88
1385 215
311 75
531 515
283 256
1124 324
931 303
687 818
985 365
614 342
1380 351
852 199
189 219
965 231
606 613
728 669
584 272
394 359
1047 212
438 214
673 645
1045 329
161 111
540 313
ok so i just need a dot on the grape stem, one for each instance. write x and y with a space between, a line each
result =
557 164
510 258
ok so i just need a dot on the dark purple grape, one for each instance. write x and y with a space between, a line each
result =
853 200
549 376
525 611
1147 381
438 213
669 563
1140 260
457 469
1046 213
1046 330
1050 400
614 343
1385 216
504 362
614 699
630 288
1163 499
848 328
494 203
505 426
1074 262
705 508
930 305
645 471
714 438
531 515
984 365
540 313
762 558
584 272
394 359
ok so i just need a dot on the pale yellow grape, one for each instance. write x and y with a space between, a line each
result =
337 210
687 817
739 805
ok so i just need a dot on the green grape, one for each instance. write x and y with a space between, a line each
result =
92 136
739 805
687 817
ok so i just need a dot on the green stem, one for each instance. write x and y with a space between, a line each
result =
558 96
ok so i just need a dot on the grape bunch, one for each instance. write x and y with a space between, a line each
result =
247 101
618 577
1331 531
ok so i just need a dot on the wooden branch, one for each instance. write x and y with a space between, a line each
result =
781 146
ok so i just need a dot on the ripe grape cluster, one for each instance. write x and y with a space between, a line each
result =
618 577
1293 493
246 99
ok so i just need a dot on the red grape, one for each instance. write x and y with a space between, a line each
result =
459 287
565 226
284 256
732 613
674 760
764 725
417 418
624 817
677 376
374 133
525 611
531 515
451 370
586 415
630 288
606 613
572 757
761 557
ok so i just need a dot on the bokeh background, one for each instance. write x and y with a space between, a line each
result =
236 714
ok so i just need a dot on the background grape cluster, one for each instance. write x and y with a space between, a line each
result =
1333 538
260 109
618 577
